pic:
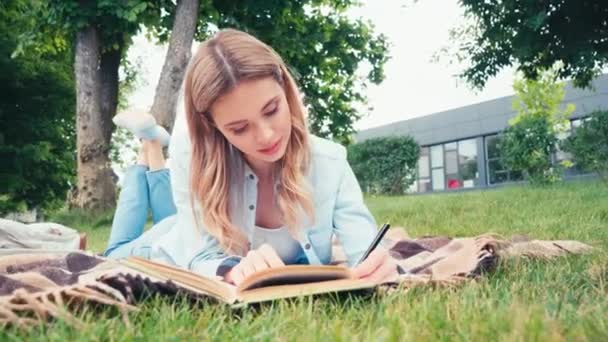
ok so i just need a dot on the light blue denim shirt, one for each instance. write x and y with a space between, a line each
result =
338 204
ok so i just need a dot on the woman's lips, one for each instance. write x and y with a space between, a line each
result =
272 149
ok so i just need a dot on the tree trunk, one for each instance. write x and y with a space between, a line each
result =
176 61
110 63
109 83
95 188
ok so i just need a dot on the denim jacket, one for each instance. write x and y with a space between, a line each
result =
337 199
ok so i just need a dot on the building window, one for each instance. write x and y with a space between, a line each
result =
437 176
451 165
424 171
436 156
438 179
497 172
467 163
424 185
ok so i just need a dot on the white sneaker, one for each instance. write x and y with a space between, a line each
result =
142 124
161 134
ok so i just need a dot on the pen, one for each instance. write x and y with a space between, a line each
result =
375 242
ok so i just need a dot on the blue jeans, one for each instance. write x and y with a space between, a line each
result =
142 190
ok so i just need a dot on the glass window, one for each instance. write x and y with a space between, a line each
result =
492 146
497 172
450 146
424 185
451 162
468 183
436 156
499 177
424 151
467 161
438 179
423 167
423 163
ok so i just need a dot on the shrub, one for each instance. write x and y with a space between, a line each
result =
527 146
589 144
530 140
385 165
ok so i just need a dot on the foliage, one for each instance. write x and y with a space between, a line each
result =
532 35
529 143
323 47
129 80
589 144
385 165
528 146
117 21
37 141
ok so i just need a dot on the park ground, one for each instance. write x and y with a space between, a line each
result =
563 299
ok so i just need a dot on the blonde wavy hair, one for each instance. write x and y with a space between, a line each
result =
219 65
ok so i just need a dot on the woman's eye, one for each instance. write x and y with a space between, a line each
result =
239 130
272 112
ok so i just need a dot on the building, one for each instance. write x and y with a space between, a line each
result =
458 146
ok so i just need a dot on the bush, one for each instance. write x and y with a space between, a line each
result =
527 146
530 140
385 165
589 144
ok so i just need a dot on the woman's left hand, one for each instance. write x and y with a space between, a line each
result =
379 267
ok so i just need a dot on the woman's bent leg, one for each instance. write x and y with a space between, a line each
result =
161 198
132 209
143 245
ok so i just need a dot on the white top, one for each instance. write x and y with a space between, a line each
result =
288 249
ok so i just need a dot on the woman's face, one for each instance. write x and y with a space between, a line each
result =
255 118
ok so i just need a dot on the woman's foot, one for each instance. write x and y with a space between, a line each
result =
143 125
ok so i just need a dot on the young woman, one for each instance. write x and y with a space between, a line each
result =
252 188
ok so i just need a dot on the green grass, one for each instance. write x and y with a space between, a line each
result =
523 300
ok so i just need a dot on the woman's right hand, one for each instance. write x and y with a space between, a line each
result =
256 260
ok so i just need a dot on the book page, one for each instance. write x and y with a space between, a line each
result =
262 294
215 288
294 274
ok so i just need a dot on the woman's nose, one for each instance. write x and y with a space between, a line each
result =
265 134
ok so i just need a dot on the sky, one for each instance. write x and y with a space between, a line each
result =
414 85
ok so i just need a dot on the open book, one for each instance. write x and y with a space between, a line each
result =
270 284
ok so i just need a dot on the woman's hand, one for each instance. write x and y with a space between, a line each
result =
379 267
256 260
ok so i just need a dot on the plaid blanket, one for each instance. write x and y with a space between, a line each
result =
35 287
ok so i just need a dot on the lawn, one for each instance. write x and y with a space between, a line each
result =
522 300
